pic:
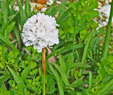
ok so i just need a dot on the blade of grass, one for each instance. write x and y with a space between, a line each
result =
64 49
80 65
6 41
4 11
51 9
4 27
63 74
62 63
3 79
86 51
17 33
64 16
25 73
59 82
86 48
22 12
10 27
62 8
78 82
90 79
27 8
18 80
53 13
75 24
107 36
105 88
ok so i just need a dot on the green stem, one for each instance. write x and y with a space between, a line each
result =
44 85
107 36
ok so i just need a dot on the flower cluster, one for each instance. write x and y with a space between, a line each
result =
40 31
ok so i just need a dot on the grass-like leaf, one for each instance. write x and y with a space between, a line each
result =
107 36
4 10
105 89
17 33
65 49
18 80
51 9
62 8
6 41
25 73
27 8
59 82
63 74
22 12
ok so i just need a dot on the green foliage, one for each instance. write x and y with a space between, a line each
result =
79 68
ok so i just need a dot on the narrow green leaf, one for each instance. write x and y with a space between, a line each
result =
17 33
106 88
78 82
64 16
62 8
18 80
53 13
22 12
15 76
6 41
25 73
59 82
65 49
63 74
51 8
11 26
4 27
4 10
70 62
3 79
76 23
82 65
90 80
107 36
86 48
9 29
27 8
62 63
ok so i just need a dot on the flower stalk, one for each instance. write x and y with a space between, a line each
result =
44 60
44 67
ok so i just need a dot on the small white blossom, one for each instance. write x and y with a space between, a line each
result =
49 2
43 9
16 8
104 12
40 31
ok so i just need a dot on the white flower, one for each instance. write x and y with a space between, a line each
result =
40 31
49 2
16 8
104 12
43 9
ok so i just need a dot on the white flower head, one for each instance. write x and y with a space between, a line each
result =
104 12
50 2
40 31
